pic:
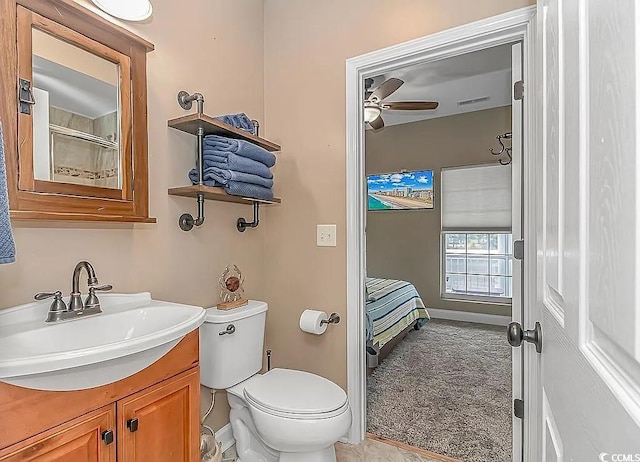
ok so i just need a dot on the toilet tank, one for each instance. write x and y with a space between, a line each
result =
228 359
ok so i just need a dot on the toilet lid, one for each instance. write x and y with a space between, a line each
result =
295 392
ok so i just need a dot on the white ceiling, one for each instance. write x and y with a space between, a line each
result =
482 74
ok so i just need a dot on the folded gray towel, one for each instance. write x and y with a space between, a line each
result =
240 147
240 121
7 245
224 176
231 161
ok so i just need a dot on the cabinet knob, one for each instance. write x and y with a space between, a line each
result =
132 425
107 437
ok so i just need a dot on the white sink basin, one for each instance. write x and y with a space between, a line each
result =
132 333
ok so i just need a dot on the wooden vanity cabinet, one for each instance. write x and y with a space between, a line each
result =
158 424
80 440
153 415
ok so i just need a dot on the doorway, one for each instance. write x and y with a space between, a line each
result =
439 235
492 33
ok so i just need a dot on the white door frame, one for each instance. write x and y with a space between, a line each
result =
518 25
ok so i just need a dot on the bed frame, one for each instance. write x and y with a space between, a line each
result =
389 346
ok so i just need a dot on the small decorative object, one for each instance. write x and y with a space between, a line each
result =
231 288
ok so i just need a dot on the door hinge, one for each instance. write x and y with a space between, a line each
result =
518 408
25 96
518 90
518 249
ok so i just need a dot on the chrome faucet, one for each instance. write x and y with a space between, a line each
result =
59 311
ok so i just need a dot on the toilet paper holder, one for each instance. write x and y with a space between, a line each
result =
333 319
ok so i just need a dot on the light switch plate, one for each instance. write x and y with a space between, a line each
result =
326 236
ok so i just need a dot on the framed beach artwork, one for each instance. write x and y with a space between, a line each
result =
400 191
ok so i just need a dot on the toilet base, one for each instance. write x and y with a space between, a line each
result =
324 455
251 448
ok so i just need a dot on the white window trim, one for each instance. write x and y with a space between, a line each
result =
480 299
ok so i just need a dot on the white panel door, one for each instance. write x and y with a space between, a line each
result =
589 235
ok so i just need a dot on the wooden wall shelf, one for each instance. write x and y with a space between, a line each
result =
212 126
217 194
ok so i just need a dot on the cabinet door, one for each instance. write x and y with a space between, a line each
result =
162 423
85 439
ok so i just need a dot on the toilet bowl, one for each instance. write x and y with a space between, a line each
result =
283 415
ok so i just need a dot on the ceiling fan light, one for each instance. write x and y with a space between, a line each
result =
371 113
128 10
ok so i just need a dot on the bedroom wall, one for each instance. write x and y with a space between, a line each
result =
171 264
405 244
306 45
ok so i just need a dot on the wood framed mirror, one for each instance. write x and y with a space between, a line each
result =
74 114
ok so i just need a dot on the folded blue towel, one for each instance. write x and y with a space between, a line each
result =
240 121
231 161
237 188
224 176
241 147
7 245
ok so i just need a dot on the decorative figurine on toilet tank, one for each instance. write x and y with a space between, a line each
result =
231 288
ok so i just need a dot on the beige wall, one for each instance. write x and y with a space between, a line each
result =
406 244
281 61
306 45
214 47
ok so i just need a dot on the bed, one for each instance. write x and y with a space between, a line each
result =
393 307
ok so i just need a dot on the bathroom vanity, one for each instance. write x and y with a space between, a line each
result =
120 385
134 419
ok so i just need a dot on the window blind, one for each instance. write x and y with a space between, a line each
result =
476 198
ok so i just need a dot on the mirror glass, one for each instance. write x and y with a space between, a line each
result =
76 115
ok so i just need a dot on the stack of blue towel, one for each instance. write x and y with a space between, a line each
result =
240 121
242 168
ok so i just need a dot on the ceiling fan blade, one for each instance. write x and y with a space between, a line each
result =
386 88
410 105
377 123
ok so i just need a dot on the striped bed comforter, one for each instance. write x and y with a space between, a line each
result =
391 307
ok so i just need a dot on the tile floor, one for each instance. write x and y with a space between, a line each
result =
369 451
376 451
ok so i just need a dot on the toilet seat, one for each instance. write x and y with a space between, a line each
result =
296 395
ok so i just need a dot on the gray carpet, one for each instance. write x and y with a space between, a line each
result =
446 388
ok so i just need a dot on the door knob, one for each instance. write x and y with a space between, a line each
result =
516 335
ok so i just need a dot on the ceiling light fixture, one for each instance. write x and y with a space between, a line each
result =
371 113
129 10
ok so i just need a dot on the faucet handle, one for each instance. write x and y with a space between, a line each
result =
45 295
57 305
92 300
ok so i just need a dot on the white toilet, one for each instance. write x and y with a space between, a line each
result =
284 415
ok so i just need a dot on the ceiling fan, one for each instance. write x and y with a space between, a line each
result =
374 104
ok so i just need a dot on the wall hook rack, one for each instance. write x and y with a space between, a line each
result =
243 224
503 149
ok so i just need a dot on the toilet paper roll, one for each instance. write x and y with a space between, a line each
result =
310 321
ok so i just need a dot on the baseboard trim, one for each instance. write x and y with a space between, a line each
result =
467 316
224 436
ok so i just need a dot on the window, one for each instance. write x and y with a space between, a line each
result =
477 266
